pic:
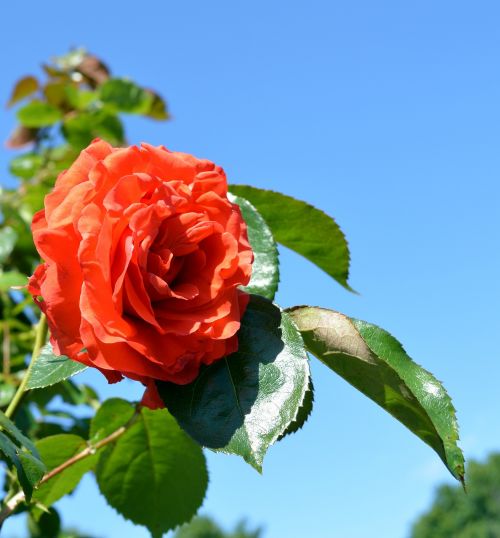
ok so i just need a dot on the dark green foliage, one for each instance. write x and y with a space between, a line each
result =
456 514
245 402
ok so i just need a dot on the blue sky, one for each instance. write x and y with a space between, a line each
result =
384 114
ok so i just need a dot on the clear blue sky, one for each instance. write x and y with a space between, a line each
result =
384 114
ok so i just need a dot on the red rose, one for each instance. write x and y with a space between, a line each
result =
143 256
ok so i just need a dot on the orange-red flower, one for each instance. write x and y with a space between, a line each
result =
143 256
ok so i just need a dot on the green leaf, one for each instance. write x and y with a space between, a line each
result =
22 453
48 525
112 414
241 404
55 450
38 114
26 166
303 414
125 96
82 128
10 428
154 474
23 88
265 269
50 369
374 362
29 471
79 99
12 278
8 238
303 229
158 108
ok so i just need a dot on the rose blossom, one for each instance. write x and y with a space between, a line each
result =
143 256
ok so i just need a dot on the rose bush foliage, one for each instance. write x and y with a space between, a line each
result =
150 269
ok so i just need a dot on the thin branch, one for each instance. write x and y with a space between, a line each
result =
6 349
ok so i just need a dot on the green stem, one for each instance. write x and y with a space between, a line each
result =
41 336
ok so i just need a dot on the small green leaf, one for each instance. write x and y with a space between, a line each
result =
7 392
50 369
47 526
83 127
26 166
29 476
23 88
303 229
374 362
265 269
158 108
38 114
241 404
55 450
125 96
55 92
79 99
154 474
8 238
9 427
112 414
12 278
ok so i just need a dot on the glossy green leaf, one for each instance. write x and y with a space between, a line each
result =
265 269
8 238
241 404
22 453
26 166
374 362
50 369
302 228
12 278
38 114
55 450
303 414
23 88
126 96
154 474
